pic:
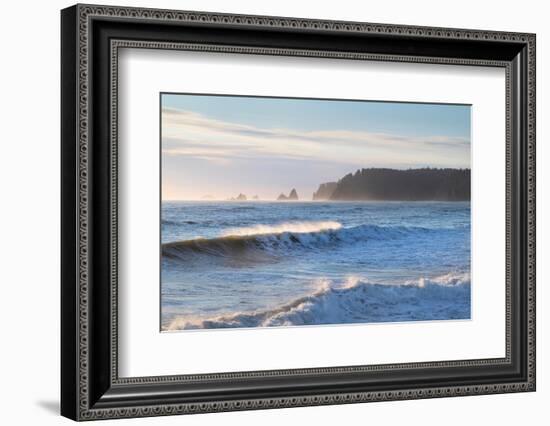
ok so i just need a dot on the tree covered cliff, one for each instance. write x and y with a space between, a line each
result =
425 184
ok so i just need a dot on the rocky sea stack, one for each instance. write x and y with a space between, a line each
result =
293 196
240 197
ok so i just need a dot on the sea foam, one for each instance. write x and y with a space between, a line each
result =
286 227
354 300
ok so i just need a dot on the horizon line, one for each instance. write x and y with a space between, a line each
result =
311 201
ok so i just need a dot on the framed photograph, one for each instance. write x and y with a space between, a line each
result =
263 212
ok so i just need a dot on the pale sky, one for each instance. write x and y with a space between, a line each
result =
221 146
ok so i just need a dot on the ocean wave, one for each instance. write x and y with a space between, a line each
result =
356 300
286 227
261 241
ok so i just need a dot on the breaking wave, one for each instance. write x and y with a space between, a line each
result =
279 239
356 300
286 227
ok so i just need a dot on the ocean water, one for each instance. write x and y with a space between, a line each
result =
260 264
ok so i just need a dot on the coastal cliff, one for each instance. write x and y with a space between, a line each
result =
325 191
425 184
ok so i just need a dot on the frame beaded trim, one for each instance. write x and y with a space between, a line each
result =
287 402
86 13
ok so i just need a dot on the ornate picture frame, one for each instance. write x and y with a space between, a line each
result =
91 37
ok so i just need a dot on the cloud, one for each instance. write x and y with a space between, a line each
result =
193 135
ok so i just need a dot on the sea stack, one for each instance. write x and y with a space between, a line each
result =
240 197
293 196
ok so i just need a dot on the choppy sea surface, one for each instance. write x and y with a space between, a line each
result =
259 264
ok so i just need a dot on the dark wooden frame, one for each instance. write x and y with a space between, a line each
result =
90 38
